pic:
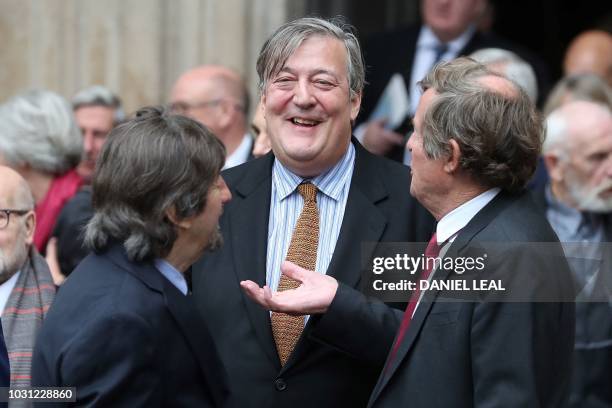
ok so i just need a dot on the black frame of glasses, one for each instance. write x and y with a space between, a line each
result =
8 212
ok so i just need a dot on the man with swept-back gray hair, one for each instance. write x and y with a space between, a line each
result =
41 141
123 330
97 110
313 201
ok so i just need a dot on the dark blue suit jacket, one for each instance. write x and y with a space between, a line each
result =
123 335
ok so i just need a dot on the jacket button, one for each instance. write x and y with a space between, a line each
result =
280 384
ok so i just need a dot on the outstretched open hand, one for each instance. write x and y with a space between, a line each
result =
313 296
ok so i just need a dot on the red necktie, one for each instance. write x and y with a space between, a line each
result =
432 251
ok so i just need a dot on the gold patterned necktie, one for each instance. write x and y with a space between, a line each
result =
303 252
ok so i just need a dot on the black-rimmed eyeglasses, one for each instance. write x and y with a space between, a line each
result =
5 215
184 107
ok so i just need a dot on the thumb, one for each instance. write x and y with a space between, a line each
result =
294 271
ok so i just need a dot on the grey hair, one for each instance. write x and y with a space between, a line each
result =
512 67
98 95
579 87
499 135
37 128
288 37
150 164
558 124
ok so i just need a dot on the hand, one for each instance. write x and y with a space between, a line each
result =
51 258
380 140
313 296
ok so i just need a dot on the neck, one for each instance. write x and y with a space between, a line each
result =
561 194
232 141
183 254
455 199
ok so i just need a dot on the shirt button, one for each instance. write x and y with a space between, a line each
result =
280 384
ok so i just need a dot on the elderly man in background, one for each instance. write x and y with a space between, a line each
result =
578 203
39 138
123 329
97 111
217 97
511 66
26 287
590 52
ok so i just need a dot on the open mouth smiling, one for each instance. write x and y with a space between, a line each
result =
304 122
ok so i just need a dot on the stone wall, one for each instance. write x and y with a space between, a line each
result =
137 48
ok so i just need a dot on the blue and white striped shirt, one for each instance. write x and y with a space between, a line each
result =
286 206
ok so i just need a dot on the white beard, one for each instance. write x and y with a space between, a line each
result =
589 199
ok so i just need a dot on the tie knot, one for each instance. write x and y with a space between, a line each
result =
308 191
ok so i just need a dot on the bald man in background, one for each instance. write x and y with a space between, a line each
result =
590 52
26 286
217 97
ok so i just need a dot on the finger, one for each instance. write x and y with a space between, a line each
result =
294 271
254 292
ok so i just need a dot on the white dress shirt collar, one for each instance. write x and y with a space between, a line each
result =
458 218
241 154
5 290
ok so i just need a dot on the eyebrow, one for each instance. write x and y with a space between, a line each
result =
313 73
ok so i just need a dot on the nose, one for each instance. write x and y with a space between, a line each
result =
303 96
226 195
87 141
408 143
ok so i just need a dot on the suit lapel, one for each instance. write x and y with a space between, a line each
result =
479 222
248 228
182 308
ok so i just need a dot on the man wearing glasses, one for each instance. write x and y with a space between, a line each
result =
217 97
26 286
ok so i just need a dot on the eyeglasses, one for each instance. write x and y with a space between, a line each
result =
5 215
184 107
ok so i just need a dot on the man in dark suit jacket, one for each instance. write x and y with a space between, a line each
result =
412 51
488 350
576 200
309 97
123 329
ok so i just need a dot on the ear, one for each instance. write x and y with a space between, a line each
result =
227 115
451 162
355 105
554 167
30 227
262 103
184 223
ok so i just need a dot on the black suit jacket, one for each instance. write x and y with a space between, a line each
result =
468 354
379 208
393 52
497 354
123 335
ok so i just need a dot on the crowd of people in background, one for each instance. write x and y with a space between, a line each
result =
113 258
